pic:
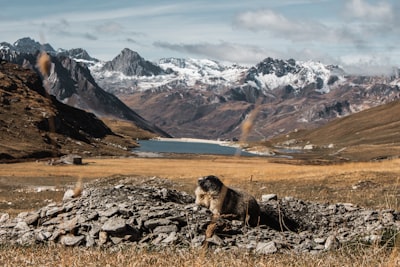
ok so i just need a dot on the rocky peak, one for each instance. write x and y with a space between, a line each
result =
130 63
179 62
5 46
277 66
28 45
77 54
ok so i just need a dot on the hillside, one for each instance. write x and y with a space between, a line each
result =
71 82
36 125
370 134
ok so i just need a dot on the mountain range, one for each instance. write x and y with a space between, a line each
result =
71 82
208 99
203 98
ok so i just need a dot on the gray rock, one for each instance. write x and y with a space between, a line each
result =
69 225
114 225
148 214
32 218
266 248
332 243
43 236
172 237
4 217
153 223
103 236
216 240
22 226
71 240
53 211
165 229
109 212
268 197
27 238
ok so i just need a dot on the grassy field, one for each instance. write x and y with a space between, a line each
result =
31 185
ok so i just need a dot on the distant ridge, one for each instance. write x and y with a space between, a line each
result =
369 134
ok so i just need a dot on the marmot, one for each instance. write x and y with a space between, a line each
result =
222 200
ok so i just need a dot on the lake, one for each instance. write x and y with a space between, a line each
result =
188 147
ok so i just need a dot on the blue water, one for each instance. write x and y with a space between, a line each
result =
158 146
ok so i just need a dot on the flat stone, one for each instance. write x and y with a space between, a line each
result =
165 229
320 240
153 223
115 225
71 240
109 212
69 225
43 236
172 237
32 218
4 217
22 226
215 240
266 248
28 238
54 211
268 197
332 243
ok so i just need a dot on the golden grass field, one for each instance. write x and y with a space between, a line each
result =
370 184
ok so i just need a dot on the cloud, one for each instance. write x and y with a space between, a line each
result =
90 36
130 40
294 30
245 54
371 64
109 28
361 9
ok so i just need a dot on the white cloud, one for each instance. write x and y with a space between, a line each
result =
224 51
294 30
268 20
110 28
361 9
367 64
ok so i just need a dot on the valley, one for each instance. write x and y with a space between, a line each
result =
193 133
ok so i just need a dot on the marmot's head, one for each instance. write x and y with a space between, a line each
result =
211 184
208 188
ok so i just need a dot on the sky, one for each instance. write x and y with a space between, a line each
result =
360 35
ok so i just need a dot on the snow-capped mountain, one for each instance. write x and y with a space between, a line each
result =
166 74
207 99
78 54
204 74
71 82
274 73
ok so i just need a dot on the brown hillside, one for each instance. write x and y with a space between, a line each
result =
370 134
35 125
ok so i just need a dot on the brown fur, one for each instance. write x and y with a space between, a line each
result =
226 202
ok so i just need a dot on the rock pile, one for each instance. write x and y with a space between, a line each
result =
148 215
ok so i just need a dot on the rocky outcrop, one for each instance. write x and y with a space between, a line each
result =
144 212
130 63
35 124
77 54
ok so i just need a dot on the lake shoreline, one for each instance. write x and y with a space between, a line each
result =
192 146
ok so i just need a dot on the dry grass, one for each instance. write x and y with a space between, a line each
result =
131 256
373 184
